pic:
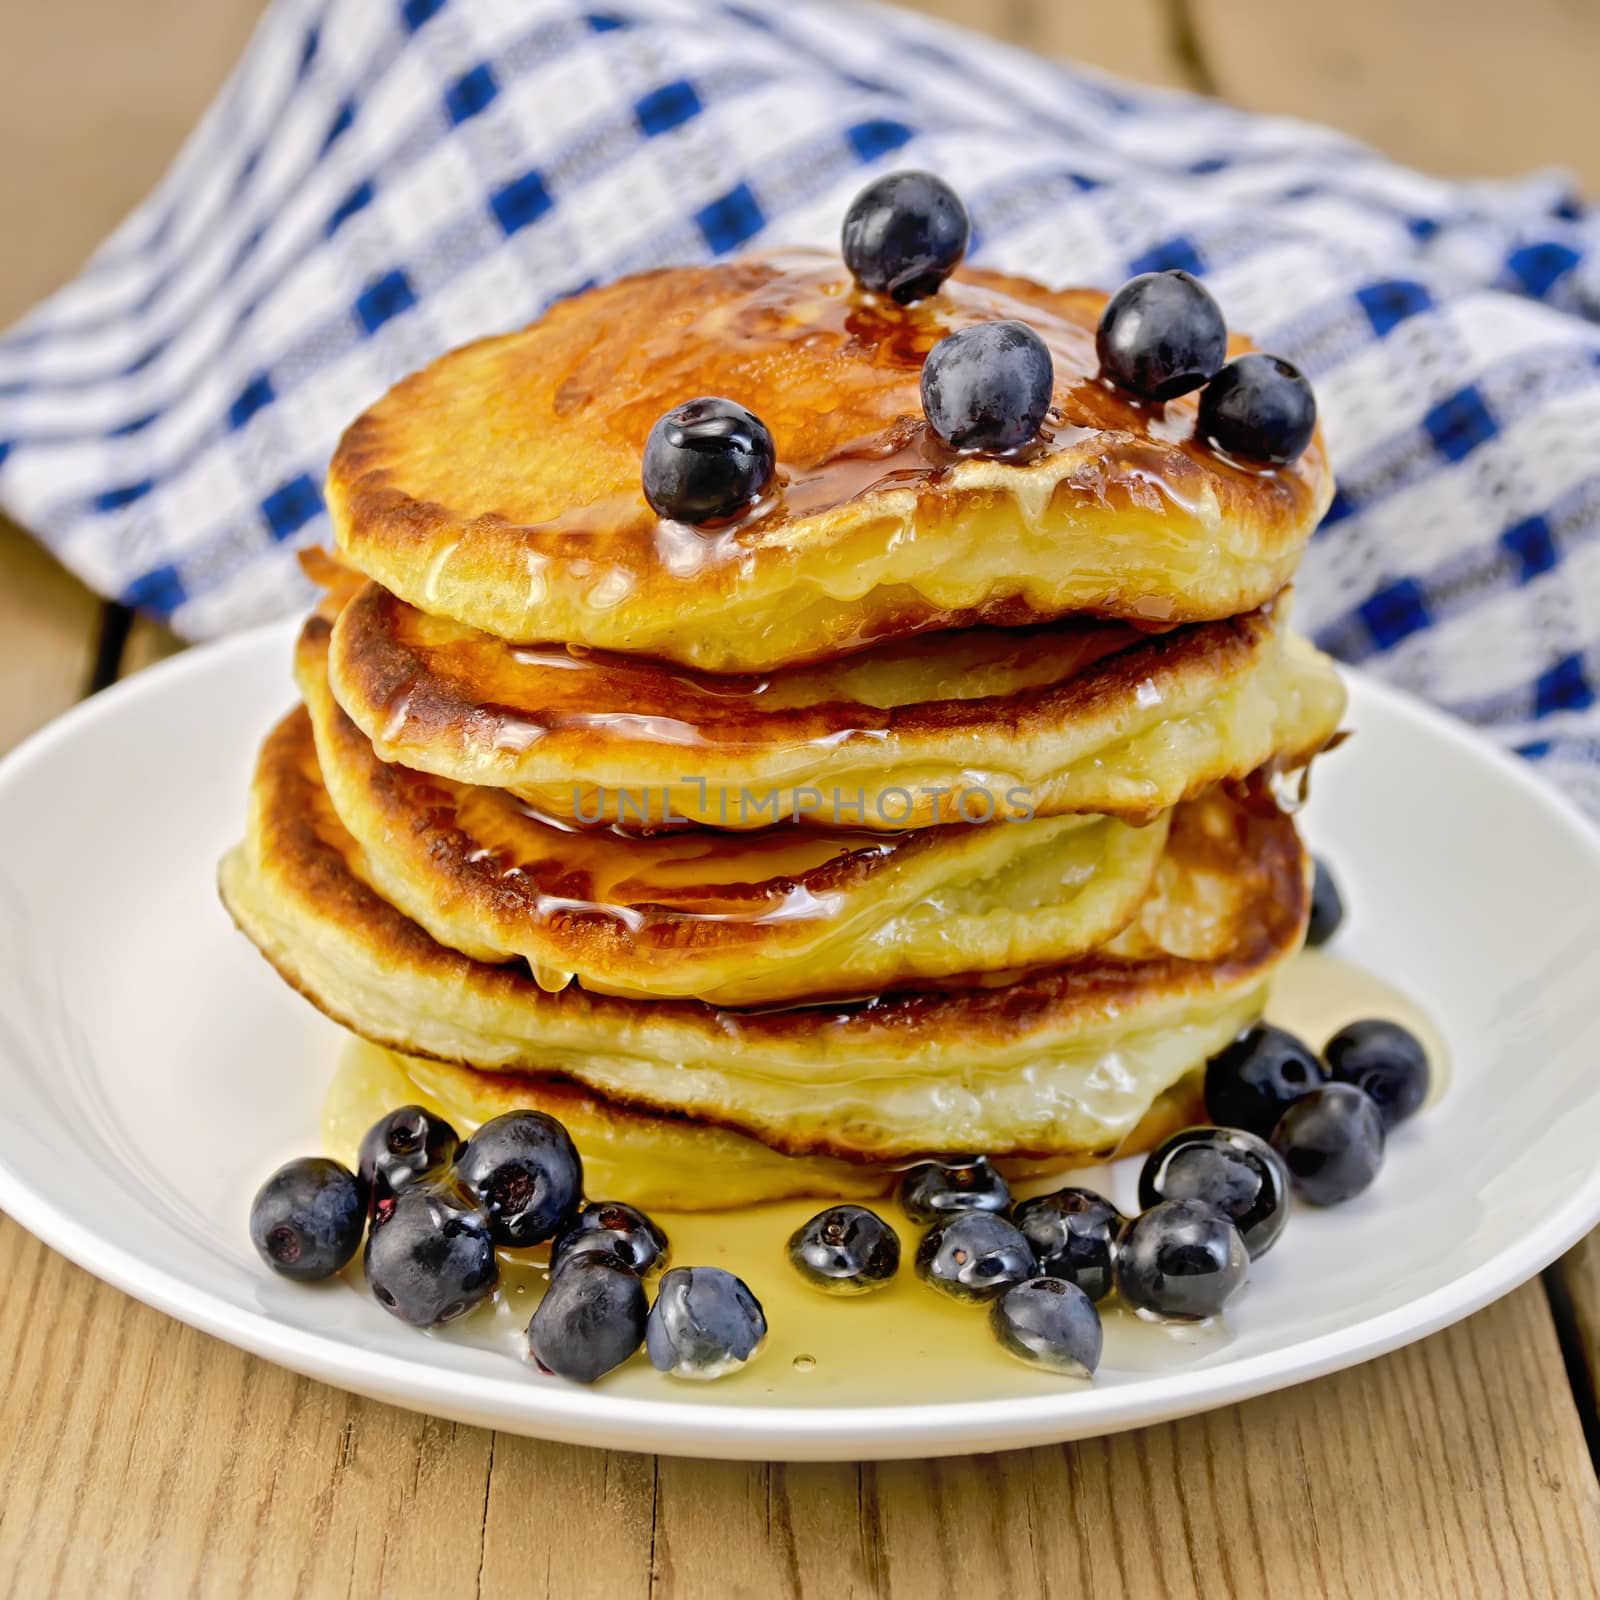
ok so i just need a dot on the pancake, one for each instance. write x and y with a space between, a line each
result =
656 1162
500 486
1072 716
784 914
1063 1061
638 1157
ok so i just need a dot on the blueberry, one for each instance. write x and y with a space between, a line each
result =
988 387
591 1318
1331 1140
1259 407
935 1189
408 1144
1227 1169
1180 1260
430 1259
306 1219
975 1256
1327 905
1161 334
1385 1061
1255 1080
525 1173
904 235
1073 1233
706 461
1051 1323
705 1323
845 1250
612 1228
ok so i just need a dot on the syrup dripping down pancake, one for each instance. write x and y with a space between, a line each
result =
1075 716
1064 1060
500 485
740 918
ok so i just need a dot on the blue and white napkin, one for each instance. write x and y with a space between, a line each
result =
382 179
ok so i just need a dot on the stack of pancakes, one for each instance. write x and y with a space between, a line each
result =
929 808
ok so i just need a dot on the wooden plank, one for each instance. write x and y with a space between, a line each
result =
48 627
99 94
564 1521
1476 88
147 643
150 1457
1136 38
1455 1467
1573 1284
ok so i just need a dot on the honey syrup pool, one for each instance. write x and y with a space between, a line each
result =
904 1344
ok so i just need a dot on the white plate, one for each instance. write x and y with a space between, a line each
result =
152 1069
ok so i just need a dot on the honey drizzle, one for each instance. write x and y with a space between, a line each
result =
871 349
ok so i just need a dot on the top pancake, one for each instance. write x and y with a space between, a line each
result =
500 486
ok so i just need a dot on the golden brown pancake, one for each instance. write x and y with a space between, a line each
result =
500 486
648 1159
1087 716
1062 1061
786 913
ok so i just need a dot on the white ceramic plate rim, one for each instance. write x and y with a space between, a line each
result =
676 1427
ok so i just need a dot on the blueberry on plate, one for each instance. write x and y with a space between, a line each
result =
1258 1077
705 1323
1259 408
410 1143
975 1256
306 1219
1228 1169
1386 1062
525 1173
845 1250
706 461
430 1259
590 1320
1073 1233
1331 1140
1327 905
1050 1323
904 235
987 388
611 1228
1161 335
934 1189
1181 1261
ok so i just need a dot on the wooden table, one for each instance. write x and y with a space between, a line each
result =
139 1456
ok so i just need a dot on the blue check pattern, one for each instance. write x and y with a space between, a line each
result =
382 179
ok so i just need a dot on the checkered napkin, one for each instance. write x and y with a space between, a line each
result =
382 179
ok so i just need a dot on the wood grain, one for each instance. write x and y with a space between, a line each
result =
1440 1470
1468 88
48 628
1573 1285
147 643
1144 39
95 98
150 1459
